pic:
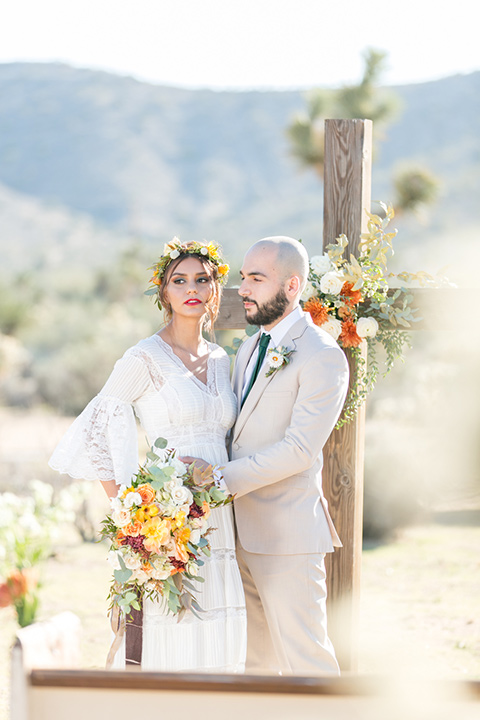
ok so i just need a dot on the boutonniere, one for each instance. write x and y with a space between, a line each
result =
277 358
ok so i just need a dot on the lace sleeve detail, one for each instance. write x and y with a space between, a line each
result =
156 377
101 444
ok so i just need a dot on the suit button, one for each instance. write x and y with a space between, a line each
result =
236 446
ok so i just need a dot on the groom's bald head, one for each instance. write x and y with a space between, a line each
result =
283 254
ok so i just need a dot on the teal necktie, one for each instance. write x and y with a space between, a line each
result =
262 351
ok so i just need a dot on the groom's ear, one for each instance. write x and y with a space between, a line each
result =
294 285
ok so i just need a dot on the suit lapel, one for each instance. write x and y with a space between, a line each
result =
262 382
241 362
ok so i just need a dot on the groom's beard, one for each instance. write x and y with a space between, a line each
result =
270 311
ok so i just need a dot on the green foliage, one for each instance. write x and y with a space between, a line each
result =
364 100
415 187
15 308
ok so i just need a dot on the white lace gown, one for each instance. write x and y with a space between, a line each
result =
101 444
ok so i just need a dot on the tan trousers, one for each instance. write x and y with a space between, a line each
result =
286 614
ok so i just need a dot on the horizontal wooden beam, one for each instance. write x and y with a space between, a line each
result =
182 682
438 308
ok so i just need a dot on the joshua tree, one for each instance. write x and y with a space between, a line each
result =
415 186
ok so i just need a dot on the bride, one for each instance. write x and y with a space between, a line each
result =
178 385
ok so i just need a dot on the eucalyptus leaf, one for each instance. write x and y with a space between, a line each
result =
160 443
122 576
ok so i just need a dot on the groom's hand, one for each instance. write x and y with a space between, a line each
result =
198 462
202 465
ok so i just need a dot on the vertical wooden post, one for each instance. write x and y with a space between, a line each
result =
347 194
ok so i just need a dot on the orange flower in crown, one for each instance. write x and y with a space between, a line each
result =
175 248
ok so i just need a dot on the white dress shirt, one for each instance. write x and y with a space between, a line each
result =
277 333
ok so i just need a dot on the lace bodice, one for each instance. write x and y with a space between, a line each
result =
170 402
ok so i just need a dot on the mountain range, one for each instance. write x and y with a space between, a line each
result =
91 162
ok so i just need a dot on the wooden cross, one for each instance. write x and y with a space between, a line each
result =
347 190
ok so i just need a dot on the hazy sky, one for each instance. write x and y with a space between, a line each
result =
245 43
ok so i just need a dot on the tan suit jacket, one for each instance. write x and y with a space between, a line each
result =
276 445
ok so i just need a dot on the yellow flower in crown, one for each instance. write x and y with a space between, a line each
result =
213 251
223 270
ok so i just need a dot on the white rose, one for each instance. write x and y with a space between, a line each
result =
160 574
169 509
121 518
333 327
331 283
310 291
180 467
116 503
196 523
367 327
132 562
140 576
204 250
195 536
133 498
182 496
171 485
174 254
320 264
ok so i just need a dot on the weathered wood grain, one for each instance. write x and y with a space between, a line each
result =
347 182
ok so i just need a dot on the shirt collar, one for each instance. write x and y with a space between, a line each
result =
278 332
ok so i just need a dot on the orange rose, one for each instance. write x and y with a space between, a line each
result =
181 552
147 493
133 530
206 509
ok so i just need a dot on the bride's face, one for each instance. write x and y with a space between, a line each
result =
189 288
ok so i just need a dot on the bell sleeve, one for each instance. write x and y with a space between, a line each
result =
102 444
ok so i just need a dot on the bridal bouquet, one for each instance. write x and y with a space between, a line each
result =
158 531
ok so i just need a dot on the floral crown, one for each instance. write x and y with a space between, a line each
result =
175 248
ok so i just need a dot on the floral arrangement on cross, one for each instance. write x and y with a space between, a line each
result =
354 301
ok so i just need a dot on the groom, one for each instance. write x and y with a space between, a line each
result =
289 402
